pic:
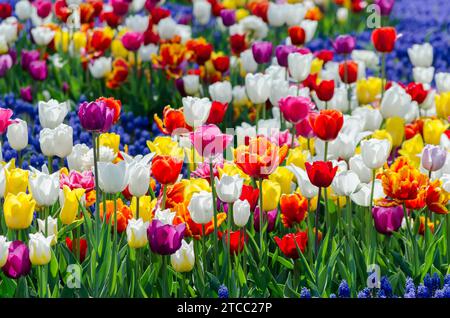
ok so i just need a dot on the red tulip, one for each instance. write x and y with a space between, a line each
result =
217 112
417 92
203 52
325 90
325 55
352 72
251 195
294 208
297 35
291 243
82 246
384 39
238 43
110 18
321 173
166 169
221 63
5 10
237 239
326 124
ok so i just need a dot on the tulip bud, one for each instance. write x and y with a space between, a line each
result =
229 188
395 102
241 212
423 74
375 152
183 260
167 28
191 84
221 92
387 219
276 14
300 65
112 178
137 233
40 250
201 207
49 227
433 157
17 134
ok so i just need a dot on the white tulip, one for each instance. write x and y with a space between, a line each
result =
221 92
44 186
294 13
257 87
345 183
9 30
40 248
3 180
106 155
4 246
255 26
75 159
191 84
165 216
310 27
49 227
241 212
357 165
167 28
375 152
146 52
229 188
371 117
276 14
202 11
201 207
42 36
113 178
57 141
300 65
137 5
100 67
342 15
137 23
3 44
423 75
239 95
139 179
395 102
442 82
52 113
196 110
17 134
339 101
421 55
370 58
248 61
183 260
23 9
362 196
137 233
279 88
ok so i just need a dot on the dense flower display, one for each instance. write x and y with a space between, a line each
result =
224 148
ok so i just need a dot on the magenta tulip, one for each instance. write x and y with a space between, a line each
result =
132 41
18 263
209 141
165 239
295 109
387 219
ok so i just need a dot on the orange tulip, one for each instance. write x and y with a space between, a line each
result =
173 119
293 209
436 198
123 214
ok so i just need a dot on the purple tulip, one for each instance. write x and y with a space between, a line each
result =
179 84
387 219
95 116
262 52
13 54
228 17
385 6
6 63
38 70
270 217
165 239
282 52
433 157
27 57
344 44
18 263
26 94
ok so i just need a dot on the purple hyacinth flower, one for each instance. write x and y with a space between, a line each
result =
6 63
27 57
165 239
262 52
433 157
387 219
344 44
228 17
385 6
18 263
95 116
270 217
282 52
38 70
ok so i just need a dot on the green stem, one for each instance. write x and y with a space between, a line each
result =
163 201
261 217
213 193
316 223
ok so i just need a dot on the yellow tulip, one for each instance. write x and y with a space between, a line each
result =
395 126
62 40
229 4
232 170
284 178
432 131
271 194
368 89
192 186
110 140
443 105
16 180
165 146
146 206
18 210
240 14
69 209
118 50
79 40
412 148
316 66
297 157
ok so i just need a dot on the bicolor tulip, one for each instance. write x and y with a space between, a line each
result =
137 233
183 260
40 249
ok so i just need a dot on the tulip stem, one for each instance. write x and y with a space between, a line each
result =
447 221
137 208
204 251
411 237
213 192
316 223
383 75
50 164
261 216
229 217
163 200
164 276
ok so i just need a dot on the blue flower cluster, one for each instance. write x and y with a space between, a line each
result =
134 132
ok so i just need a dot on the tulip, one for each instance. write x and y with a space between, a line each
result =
421 55
137 233
348 72
363 196
234 241
276 14
165 216
241 212
221 63
137 23
5 119
16 180
100 67
69 200
295 109
18 263
385 6
384 39
443 82
217 112
432 131
196 110
201 207
52 113
146 52
209 141
345 183
321 173
423 74
442 105
38 70
325 90
228 17
387 219
291 243
4 246
44 187
326 124
433 157
40 249
269 217
6 63
282 52
166 169
57 141
165 239
221 92
395 102
293 209
250 195
27 57
342 15
229 188
95 116
113 178
271 194
191 84
23 9
375 152
369 58
306 187
257 87
82 247
356 164
18 210
344 44
248 61
183 260
297 35
42 36
17 134
146 207
202 11
262 52
300 65
139 178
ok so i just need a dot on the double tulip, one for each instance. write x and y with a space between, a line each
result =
52 113
57 141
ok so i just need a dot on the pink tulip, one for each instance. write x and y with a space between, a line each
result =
295 109
209 141
132 41
5 119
